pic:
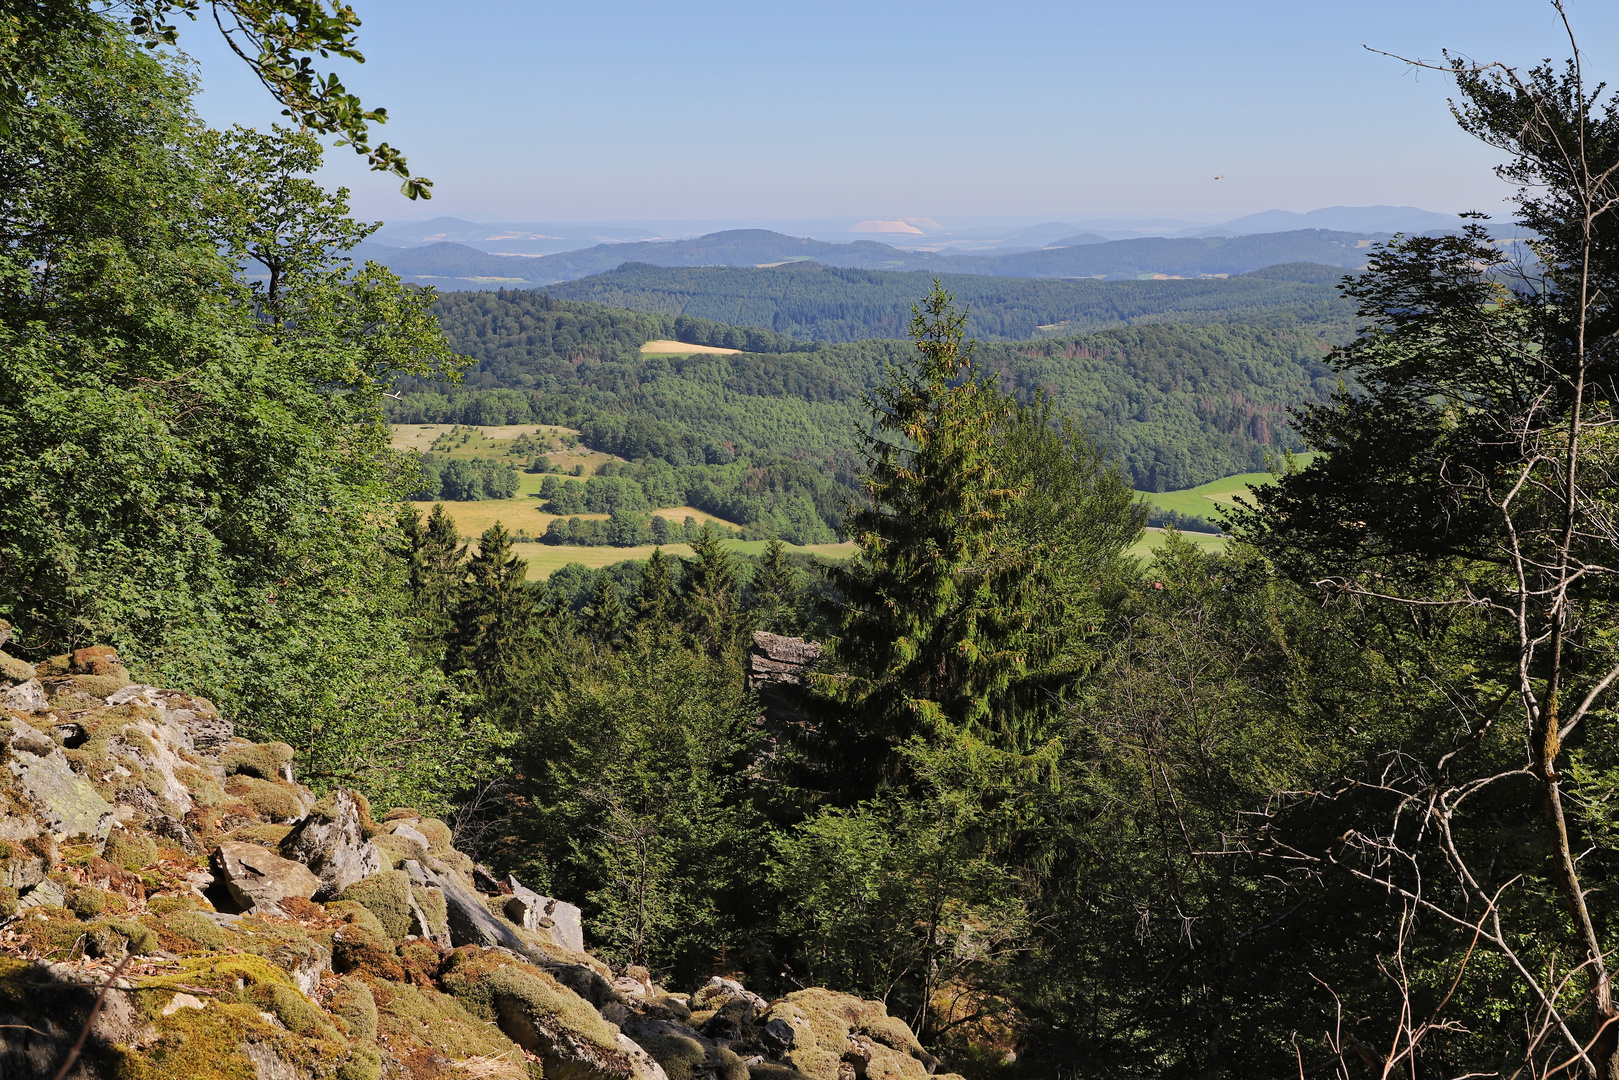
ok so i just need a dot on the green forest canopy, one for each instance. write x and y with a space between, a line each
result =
823 303
1176 404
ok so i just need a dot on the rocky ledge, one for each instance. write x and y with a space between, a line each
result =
173 887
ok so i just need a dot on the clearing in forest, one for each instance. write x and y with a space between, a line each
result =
682 347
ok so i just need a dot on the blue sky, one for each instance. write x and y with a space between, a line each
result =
621 110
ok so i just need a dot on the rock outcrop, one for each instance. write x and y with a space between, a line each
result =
241 926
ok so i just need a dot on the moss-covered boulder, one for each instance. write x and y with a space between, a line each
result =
267 761
423 1030
387 896
539 1014
831 1029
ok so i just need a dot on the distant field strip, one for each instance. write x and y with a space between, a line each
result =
682 347
544 560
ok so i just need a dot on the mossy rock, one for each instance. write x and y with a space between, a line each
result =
300 1015
421 961
86 901
357 949
434 907
355 914
387 896
353 1004
8 901
397 849
203 785
137 938
130 850
100 687
265 836
364 1063
412 1019
188 932
286 945
401 813
276 800
244 987
201 1044
767 1070
678 1053
437 833
14 670
263 760
493 985
455 860
822 1021
168 905
53 933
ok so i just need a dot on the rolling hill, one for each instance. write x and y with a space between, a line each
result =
455 266
1176 404
811 301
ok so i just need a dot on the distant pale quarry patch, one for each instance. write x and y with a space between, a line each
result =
885 227
681 347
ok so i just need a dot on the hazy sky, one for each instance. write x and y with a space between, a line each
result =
627 110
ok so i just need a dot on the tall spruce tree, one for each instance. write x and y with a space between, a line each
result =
711 594
434 551
933 633
773 593
496 620
604 617
655 598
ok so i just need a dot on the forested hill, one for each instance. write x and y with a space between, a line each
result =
506 327
455 266
1176 404
807 300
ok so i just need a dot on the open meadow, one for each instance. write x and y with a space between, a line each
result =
1206 500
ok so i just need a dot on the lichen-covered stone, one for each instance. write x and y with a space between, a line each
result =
24 697
65 803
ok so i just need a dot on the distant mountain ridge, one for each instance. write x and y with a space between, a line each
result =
455 266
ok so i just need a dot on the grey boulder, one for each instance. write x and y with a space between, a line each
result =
562 920
258 879
330 842
26 697
64 802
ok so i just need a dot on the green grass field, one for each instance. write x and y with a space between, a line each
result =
524 514
543 559
1206 500
1153 539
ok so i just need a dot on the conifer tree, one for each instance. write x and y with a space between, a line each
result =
710 594
774 589
934 632
655 599
604 617
435 576
495 622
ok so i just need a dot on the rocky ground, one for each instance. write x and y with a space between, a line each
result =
171 890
